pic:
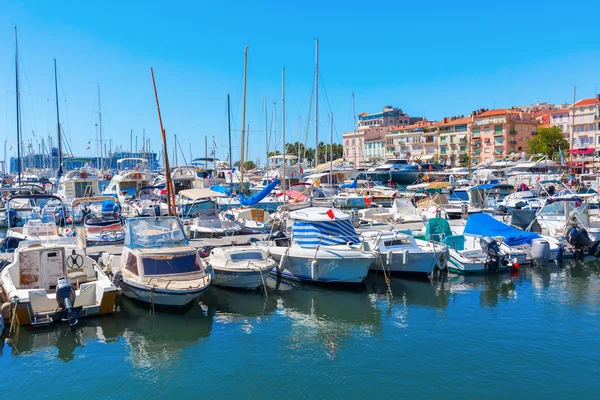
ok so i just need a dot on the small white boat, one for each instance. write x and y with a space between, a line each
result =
51 278
324 247
241 267
250 220
468 257
402 253
102 219
158 265
197 204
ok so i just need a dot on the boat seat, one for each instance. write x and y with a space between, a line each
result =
77 276
456 242
41 302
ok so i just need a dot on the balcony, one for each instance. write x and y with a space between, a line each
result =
512 132
533 133
513 142
498 133
498 152
476 144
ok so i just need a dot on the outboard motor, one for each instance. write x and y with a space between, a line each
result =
580 240
492 249
157 210
13 218
280 239
65 297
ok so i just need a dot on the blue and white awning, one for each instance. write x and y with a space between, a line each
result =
326 233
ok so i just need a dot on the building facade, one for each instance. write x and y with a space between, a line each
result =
585 121
415 142
496 134
453 136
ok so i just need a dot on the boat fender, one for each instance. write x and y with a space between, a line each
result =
389 257
268 253
282 261
5 310
314 270
442 262
404 257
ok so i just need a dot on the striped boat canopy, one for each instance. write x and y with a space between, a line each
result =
326 233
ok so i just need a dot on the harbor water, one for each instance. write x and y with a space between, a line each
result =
491 336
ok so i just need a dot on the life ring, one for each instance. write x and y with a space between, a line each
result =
136 175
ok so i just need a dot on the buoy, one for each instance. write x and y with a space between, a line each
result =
404 257
5 309
442 262
314 270
282 261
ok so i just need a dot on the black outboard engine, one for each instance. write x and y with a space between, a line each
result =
65 297
280 238
494 258
580 240
157 210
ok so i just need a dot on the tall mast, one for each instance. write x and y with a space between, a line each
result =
331 150
101 164
229 131
266 130
283 125
275 127
298 145
354 129
60 167
572 128
170 194
317 103
18 106
243 121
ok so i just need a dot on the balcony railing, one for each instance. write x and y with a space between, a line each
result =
512 132
513 142
534 133
498 133
476 144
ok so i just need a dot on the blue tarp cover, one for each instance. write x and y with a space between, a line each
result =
485 224
486 186
221 189
260 195
350 185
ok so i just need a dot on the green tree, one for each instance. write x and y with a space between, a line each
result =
464 160
248 165
548 141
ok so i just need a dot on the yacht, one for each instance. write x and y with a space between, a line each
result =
133 174
158 265
201 212
323 247
400 171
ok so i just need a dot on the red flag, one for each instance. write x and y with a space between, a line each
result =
430 167
330 214
367 202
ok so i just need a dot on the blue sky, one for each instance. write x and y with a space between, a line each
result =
432 59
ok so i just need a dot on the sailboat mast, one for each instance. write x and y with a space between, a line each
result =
331 150
317 103
266 130
170 194
229 130
60 166
243 121
354 130
101 164
283 126
18 106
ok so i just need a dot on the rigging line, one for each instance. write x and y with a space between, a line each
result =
66 108
21 64
296 104
325 90
8 85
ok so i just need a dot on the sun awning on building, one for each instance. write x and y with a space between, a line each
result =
582 151
426 157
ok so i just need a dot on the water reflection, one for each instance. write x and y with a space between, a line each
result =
305 316
423 293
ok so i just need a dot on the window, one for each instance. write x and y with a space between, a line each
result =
168 265
487 150
476 130
520 148
486 129
520 128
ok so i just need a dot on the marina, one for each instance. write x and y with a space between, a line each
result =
203 201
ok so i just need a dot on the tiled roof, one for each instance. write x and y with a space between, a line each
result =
587 102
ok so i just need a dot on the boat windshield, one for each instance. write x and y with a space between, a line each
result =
459 195
171 264
557 209
247 255
154 233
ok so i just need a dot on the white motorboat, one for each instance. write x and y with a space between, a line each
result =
402 253
158 265
134 174
250 220
102 219
324 247
467 257
197 204
241 267
51 278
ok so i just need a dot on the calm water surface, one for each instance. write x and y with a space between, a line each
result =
534 336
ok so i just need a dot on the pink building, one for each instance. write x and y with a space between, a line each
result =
496 134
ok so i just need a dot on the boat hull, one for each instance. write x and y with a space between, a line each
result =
417 264
250 279
334 266
158 296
